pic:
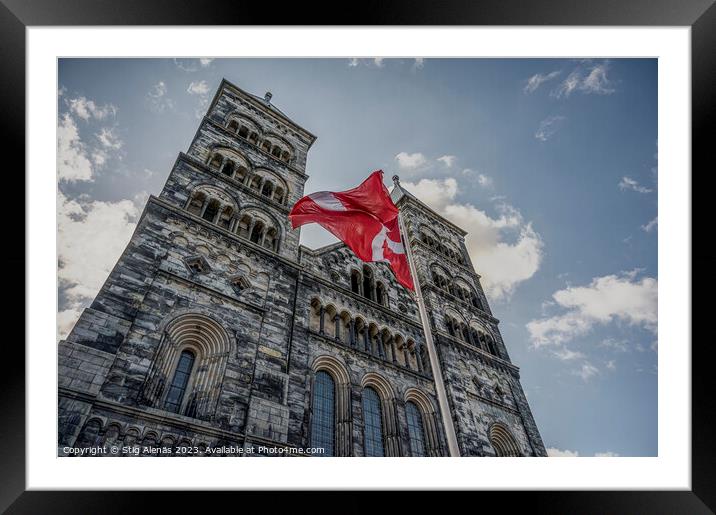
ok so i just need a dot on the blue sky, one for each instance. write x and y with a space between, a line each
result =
550 164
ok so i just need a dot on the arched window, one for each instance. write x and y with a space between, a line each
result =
242 228
255 182
225 218
244 132
278 194
266 146
271 239
228 168
257 232
241 172
415 429
267 189
367 283
323 418
216 160
211 210
355 281
450 326
380 294
233 126
196 203
373 437
503 442
191 341
491 346
177 389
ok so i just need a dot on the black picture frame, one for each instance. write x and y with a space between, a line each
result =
17 15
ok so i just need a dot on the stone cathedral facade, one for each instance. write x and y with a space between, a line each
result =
217 331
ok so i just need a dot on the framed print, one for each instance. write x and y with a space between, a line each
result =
450 250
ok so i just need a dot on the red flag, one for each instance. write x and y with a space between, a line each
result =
364 218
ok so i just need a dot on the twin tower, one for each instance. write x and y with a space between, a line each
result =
216 329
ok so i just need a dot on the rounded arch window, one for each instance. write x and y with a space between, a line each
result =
373 432
323 419
180 381
416 433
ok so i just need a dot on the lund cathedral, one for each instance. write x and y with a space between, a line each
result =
216 329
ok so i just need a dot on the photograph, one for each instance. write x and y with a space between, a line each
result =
357 257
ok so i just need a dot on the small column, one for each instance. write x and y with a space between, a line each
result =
204 206
393 357
381 346
366 342
337 322
321 327
352 332
419 357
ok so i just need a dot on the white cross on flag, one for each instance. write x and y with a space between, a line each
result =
364 218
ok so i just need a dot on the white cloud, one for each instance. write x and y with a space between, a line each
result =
90 238
198 88
109 139
99 158
606 299
157 98
353 62
506 250
537 80
410 161
73 163
548 127
447 160
611 364
651 226
567 355
627 183
587 78
201 89
484 180
193 64
86 109
553 452
586 371
419 63
559 453
378 61
616 345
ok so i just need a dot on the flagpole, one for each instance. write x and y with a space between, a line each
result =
432 351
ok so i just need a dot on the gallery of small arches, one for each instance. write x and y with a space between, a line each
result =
363 283
253 224
429 238
235 166
361 334
131 440
469 334
389 426
249 130
455 286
